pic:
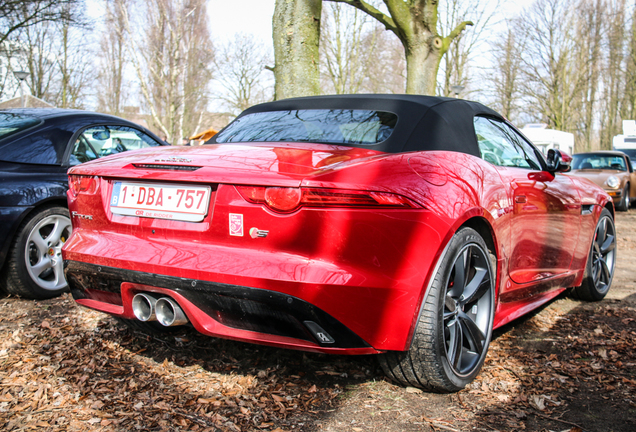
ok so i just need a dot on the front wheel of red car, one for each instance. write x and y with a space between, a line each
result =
455 326
599 270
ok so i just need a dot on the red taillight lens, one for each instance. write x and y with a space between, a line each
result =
254 194
289 199
79 184
282 199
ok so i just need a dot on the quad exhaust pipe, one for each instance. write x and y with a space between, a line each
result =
169 313
143 306
147 307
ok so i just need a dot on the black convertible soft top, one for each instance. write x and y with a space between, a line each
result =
424 122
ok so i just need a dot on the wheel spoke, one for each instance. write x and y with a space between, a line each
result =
449 303
604 271
601 232
41 266
596 271
459 281
58 269
39 243
608 245
56 234
477 287
474 336
455 343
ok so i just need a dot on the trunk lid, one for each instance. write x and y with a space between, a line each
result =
283 164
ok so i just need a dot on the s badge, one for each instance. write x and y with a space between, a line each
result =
256 233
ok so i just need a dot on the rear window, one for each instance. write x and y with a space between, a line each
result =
11 123
348 127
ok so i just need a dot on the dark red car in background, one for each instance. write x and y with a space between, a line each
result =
403 226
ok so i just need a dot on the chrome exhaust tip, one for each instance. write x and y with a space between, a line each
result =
169 313
144 306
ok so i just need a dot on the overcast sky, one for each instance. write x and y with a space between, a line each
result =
228 17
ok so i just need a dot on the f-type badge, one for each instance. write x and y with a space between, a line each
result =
256 233
82 216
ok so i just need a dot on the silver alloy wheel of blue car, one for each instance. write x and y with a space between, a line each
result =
43 254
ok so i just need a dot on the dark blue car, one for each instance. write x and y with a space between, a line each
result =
37 146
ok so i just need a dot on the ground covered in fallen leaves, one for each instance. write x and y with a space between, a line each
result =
570 366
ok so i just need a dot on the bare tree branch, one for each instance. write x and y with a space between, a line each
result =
17 14
365 7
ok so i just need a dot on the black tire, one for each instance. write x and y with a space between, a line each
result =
148 327
599 269
623 205
34 266
454 330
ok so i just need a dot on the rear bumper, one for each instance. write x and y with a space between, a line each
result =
234 312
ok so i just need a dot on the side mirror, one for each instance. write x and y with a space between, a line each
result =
101 135
634 166
558 161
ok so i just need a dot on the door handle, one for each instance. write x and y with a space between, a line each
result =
520 199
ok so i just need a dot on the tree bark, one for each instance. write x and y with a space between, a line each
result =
414 22
422 63
296 32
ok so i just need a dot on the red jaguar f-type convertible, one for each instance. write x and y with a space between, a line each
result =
403 226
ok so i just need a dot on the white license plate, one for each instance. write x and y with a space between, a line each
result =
176 202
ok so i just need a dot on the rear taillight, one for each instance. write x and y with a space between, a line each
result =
82 184
289 199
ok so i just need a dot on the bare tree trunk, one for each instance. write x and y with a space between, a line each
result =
171 56
589 34
39 40
505 73
422 64
628 110
457 60
551 77
296 32
240 69
349 47
613 79
113 59
415 24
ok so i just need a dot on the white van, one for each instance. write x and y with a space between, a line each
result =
546 139
627 141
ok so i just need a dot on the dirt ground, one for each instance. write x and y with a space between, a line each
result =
570 366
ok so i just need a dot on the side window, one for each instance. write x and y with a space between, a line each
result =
82 151
98 141
500 145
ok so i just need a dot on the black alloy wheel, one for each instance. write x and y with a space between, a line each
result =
455 326
467 310
599 270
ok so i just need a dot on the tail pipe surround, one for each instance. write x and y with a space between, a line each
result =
144 307
169 313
